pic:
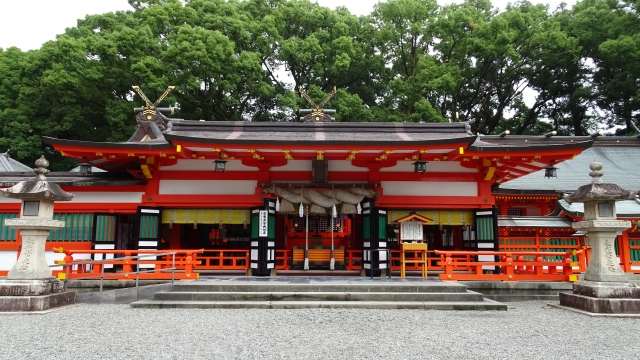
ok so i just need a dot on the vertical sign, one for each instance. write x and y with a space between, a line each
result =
264 224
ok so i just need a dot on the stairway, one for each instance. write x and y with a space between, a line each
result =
312 292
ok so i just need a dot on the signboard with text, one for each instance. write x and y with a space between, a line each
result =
264 224
411 231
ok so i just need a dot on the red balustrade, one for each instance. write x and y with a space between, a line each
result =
514 266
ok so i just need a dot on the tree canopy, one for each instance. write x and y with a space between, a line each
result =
527 68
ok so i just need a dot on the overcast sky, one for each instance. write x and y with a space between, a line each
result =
27 24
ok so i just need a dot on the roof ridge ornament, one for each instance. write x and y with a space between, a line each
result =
150 111
596 173
317 113
41 169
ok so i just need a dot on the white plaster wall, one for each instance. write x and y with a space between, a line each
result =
415 188
208 187
7 259
96 197
345 165
207 165
433 166
52 256
107 197
295 165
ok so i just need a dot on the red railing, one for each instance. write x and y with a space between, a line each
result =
283 259
455 265
353 259
514 266
558 244
184 263
224 260
434 263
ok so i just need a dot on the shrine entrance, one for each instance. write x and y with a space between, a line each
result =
319 235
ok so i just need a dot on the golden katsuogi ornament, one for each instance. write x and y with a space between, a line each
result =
317 113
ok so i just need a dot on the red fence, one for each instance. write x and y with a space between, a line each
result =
514 266
184 263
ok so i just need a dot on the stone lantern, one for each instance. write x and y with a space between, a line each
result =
29 285
604 287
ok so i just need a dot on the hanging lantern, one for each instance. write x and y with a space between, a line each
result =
277 203
420 166
301 210
359 209
220 164
195 225
551 171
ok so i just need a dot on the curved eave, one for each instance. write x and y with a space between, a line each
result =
104 145
527 146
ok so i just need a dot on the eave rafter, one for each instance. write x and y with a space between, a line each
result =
518 198
117 158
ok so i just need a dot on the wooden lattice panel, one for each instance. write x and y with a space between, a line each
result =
503 232
556 232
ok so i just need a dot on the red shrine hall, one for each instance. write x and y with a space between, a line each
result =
294 195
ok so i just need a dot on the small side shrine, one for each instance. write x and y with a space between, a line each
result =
29 285
412 239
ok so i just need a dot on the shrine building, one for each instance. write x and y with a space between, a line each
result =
303 189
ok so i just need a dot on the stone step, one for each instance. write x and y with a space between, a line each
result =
517 298
316 296
274 286
484 305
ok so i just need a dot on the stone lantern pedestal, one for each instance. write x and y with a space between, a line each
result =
29 285
604 287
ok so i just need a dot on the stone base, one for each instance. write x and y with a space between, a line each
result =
600 305
33 295
30 287
607 290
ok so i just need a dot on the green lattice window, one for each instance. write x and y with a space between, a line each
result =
634 254
105 228
485 228
6 233
77 227
366 223
382 227
149 226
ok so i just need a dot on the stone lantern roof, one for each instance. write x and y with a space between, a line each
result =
598 190
39 188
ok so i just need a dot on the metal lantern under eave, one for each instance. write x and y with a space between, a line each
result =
420 166
220 165
551 171
85 168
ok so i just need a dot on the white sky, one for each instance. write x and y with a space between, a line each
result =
27 24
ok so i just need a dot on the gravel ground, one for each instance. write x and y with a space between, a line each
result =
529 330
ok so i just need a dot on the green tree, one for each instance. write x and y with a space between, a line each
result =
413 80
608 32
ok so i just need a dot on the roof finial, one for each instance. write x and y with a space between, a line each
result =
595 173
41 169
